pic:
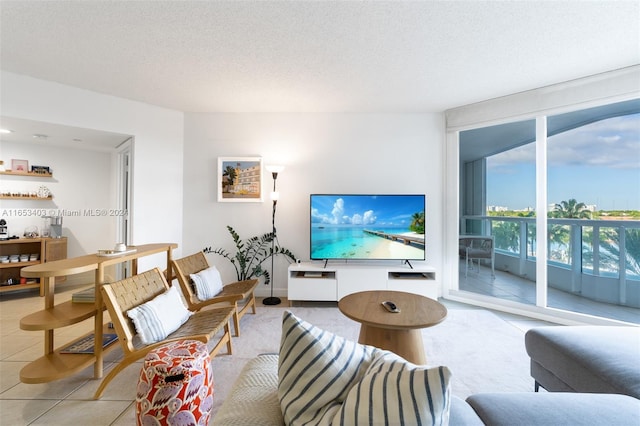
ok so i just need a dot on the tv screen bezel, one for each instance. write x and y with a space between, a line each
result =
360 259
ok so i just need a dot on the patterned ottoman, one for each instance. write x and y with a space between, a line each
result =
175 386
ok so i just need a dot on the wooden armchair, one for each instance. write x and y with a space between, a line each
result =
123 295
477 247
231 293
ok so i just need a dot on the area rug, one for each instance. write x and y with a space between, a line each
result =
483 352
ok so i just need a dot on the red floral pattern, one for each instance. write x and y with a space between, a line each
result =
175 386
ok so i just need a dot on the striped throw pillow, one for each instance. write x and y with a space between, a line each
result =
316 371
326 379
396 392
159 317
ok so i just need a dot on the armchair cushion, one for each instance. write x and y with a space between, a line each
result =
207 283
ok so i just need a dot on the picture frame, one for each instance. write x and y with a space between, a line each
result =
240 179
41 170
20 166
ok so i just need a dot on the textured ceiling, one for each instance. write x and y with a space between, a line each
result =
315 56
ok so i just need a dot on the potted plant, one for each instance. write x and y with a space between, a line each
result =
251 253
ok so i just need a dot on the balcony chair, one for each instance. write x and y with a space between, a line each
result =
477 248
231 293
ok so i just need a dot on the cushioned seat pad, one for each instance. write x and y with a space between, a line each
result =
601 359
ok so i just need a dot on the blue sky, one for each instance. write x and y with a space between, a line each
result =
596 164
381 210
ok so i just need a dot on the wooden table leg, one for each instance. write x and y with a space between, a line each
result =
48 286
98 319
406 343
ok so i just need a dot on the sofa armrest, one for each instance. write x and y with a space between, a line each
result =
253 399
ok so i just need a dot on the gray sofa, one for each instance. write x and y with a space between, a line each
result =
598 359
253 400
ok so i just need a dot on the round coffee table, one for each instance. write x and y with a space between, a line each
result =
397 332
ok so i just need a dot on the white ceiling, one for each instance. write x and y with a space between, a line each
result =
38 132
316 56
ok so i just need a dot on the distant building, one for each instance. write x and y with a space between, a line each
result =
526 209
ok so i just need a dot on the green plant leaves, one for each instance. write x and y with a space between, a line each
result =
251 253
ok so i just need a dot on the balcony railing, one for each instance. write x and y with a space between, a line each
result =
598 259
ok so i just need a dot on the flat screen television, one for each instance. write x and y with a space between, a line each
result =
367 227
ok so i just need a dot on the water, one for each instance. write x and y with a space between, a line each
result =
351 242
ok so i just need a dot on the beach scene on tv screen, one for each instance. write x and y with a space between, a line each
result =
368 227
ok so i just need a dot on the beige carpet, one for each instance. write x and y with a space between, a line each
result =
483 352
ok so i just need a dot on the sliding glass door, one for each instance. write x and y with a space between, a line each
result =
497 199
590 161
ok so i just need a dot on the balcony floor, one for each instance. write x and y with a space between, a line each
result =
511 287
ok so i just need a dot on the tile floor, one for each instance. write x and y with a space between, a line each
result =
70 400
516 289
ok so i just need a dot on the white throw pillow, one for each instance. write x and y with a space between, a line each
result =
325 379
159 317
207 283
316 370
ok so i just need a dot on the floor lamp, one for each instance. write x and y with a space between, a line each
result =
274 197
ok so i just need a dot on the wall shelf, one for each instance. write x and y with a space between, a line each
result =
6 195
25 197
26 174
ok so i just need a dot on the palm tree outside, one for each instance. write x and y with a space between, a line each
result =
571 209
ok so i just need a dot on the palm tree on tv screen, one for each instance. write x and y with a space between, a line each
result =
417 223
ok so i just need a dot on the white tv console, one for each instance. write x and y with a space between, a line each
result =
314 281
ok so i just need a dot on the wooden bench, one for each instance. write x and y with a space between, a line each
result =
121 296
231 293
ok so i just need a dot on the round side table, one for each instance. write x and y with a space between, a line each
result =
397 332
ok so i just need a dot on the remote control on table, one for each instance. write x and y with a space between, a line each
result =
391 307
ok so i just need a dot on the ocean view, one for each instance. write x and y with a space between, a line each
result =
331 242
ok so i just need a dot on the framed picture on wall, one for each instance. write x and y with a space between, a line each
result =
21 166
240 179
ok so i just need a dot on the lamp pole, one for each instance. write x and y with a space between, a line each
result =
274 197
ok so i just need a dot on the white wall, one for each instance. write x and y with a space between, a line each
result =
72 170
322 153
158 148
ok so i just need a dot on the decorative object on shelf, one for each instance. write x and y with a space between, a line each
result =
271 300
54 224
41 170
2 166
240 179
112 253
251 254
31 232
4 230
43 192
84 296
19 166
